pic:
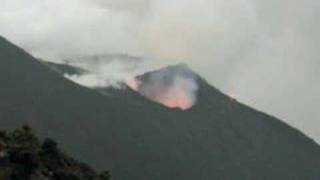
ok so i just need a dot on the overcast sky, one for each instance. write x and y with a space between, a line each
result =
264 53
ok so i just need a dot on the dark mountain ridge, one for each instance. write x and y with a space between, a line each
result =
218 138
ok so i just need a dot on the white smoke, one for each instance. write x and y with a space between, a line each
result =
174 86
105 70
181 94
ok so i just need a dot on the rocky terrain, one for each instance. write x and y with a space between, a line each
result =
24 157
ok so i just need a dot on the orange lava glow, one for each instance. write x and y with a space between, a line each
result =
134 84
176 100
173 97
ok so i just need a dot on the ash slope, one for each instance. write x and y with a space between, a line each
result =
139 139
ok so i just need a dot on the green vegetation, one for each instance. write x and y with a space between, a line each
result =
24 157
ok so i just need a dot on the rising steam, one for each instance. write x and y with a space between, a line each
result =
174 87
105 70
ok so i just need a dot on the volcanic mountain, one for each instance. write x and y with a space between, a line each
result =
138 139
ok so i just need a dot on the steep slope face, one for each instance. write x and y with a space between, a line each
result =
218 138
33 94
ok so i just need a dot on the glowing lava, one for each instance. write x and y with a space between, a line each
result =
176 99
179 93
134 84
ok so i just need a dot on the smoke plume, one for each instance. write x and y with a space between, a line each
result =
174 86
105 70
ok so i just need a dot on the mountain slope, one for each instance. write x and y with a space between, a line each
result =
218 138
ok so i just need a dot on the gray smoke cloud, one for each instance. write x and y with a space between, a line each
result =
264 53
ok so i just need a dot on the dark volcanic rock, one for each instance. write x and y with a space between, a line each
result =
24 157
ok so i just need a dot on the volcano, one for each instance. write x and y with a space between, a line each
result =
139 139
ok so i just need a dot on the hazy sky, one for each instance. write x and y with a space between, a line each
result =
265 53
